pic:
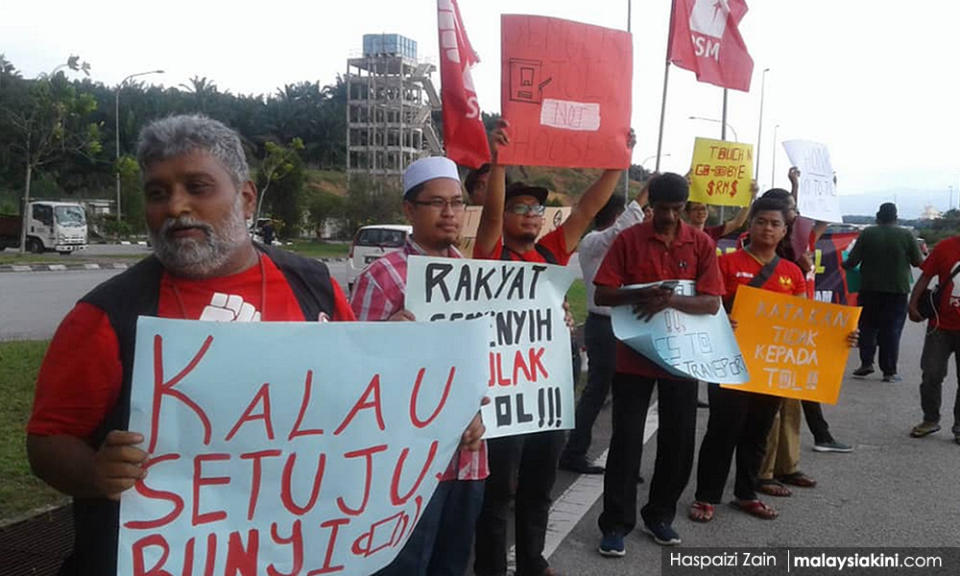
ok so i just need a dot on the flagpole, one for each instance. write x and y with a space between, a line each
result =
666 77
626 179
723 136
723 118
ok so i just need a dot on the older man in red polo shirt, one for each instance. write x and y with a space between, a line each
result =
664 249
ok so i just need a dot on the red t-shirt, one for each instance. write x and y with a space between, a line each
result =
740 267
81 374
639 255
941 262
555 241
715 232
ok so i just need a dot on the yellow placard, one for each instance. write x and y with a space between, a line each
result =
721 172
793 347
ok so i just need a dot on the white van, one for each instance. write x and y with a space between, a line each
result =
372 242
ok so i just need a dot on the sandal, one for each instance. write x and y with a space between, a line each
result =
701 512
798 479
773 488
755 508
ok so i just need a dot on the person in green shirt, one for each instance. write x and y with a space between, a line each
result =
885 253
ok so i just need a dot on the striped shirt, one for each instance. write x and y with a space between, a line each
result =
379 293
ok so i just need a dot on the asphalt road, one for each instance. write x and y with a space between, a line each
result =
892 490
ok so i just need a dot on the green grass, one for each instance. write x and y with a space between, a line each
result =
317 249
20 491
577 298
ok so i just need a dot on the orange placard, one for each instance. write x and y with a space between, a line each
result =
793 347
566 91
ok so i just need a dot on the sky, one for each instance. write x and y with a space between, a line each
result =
875 80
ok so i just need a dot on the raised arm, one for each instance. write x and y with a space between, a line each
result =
490 227
591 202
740 219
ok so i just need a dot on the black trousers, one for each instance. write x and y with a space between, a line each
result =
602 358
530 463
676 436
881 324
813 414
738 421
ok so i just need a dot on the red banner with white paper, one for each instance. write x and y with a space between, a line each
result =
566 90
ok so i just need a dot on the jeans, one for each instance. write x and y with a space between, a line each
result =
440 543
937 348
528 462
881 324
602 358
676 437
738 421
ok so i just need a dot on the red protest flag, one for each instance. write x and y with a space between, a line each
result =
463 132
705 40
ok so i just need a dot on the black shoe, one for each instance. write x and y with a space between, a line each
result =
580 467
863 371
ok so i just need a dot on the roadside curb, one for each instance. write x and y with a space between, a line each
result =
92 266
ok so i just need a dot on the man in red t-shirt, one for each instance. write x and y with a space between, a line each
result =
664 249
198 196
509 225
742 420
943 333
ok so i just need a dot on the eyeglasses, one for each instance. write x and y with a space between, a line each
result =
439 204
524 209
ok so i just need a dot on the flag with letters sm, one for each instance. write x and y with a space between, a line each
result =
463 133
705 40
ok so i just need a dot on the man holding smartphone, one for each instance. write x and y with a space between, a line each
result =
664 250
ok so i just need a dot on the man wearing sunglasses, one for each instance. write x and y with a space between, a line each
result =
509 225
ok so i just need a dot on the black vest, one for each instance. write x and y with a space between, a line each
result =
505 254
123 298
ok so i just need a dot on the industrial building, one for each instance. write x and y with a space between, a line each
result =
390 97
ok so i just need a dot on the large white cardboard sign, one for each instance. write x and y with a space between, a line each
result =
686 345
291 448
816 192
529 371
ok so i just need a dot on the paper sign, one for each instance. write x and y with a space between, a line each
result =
553 216
795 348
686 345
566 91
529 371
816 193
721 172
291 448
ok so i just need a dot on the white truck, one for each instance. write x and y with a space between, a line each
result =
51 226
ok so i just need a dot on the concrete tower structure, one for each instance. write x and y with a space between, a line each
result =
390 98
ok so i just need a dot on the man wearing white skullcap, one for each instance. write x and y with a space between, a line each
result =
433 204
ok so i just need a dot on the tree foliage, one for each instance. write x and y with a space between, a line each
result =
79 153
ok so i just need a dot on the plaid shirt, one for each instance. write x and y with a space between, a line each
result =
377 294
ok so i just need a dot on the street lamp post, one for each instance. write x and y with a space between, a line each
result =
116 120
773 159
727 124
763 85
651 157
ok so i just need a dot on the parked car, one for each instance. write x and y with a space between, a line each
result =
372 242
